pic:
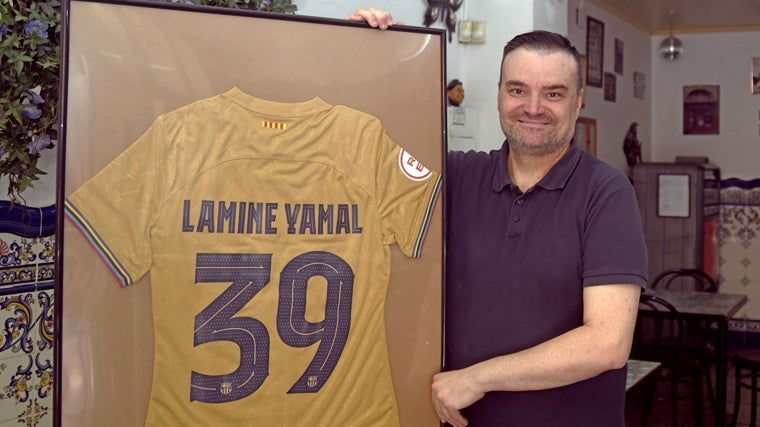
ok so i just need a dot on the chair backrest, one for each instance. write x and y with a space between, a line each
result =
685 278
659 333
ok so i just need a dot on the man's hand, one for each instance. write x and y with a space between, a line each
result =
452 391
376 18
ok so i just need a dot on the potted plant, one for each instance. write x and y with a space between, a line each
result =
30 35
29 81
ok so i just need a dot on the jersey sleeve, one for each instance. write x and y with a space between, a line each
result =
407 193
115 209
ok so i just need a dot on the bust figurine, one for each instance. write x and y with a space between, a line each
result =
455 93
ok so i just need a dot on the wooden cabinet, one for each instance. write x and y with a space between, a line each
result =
680 208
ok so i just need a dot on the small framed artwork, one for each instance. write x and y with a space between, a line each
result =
595 51
639 84
755 76
701 110
619 56
584 62
610 87
673 196
585 135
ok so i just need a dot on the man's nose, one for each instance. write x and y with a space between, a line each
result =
533 104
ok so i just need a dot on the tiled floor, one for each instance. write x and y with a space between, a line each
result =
661 415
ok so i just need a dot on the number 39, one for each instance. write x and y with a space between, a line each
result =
249 273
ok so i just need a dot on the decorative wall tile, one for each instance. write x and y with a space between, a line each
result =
27 275
740 248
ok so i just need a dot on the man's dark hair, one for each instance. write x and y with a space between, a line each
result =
545 41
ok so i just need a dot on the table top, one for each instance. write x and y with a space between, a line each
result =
702 303
638 370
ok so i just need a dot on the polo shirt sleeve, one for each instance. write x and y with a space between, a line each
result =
614 245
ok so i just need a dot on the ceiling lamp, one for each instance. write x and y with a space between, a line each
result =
671 48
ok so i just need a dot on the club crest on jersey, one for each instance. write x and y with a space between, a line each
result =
411 167
312 381
226 388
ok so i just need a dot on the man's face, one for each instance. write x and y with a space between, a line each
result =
538 100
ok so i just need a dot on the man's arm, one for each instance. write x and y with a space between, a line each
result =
602 343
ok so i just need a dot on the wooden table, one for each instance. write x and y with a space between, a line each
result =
639 386
640 374
709 307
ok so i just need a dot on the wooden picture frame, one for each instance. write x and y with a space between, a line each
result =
639 84
701 110
585 135
610 87
619 56
595 51
584 63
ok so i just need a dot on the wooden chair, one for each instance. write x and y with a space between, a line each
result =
659 336
700 338
747 365
685 278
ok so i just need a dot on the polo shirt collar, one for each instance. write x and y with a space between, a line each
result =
554 180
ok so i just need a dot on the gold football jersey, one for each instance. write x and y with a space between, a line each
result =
265 228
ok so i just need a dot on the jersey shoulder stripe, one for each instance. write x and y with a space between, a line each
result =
425 225
105 252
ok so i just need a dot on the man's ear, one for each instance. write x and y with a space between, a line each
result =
579 102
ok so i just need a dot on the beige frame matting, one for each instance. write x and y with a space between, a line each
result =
129 62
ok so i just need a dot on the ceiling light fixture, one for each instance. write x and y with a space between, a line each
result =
671 48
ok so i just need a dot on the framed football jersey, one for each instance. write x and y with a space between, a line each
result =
250 227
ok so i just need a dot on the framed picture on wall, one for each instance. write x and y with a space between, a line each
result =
639 84
610 87
595 51
618 56
585 135
584 61
755 76
701 108
673 195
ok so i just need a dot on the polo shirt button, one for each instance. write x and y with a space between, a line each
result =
520 201
516 218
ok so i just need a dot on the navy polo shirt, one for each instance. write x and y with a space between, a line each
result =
516 266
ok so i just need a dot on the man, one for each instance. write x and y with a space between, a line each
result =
545 259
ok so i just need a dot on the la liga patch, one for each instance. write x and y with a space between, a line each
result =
411 167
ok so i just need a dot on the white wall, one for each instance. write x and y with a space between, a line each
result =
614 118
477 65
408 11
713 59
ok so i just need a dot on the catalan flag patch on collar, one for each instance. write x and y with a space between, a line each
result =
273 125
